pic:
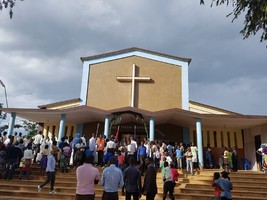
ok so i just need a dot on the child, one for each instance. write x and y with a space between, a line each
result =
121 161
217 190
175 174
63 164
162 168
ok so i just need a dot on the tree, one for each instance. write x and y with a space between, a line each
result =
255 15
8 4
30 127
2 128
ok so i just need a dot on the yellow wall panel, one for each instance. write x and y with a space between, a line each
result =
211 138
239 139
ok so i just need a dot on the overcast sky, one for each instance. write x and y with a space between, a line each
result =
40 48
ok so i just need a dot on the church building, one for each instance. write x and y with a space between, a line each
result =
145 94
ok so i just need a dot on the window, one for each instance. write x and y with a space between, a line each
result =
222 141
72 131
53 130
66 131
228 139
208 139
47 130
215 138
235 138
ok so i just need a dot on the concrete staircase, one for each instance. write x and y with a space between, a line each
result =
247 185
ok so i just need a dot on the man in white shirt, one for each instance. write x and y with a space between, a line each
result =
37 142
132 147
92 145
111 145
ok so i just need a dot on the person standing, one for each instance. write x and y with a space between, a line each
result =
37 144
141 155
194 151
27 161
189 163
226 185
111 180
50 174
132 179
92 145
179 157
235 160
100 150
168 182
217 190
150 182
86 176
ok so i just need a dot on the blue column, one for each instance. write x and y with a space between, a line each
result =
151 129
11 123
106 129
199 143
61 127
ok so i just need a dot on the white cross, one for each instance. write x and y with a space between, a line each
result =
133 79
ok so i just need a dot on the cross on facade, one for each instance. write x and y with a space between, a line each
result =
133 79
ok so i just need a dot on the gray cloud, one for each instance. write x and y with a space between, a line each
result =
40 48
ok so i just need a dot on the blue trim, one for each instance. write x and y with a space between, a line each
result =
183 64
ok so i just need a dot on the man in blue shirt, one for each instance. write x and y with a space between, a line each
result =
51 174
112 180
141 156
179 157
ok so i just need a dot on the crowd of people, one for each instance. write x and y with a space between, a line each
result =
126 159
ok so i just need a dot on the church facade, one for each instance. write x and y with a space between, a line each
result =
145 94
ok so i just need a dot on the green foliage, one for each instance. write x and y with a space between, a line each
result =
8 4
255 15
2 128
30 127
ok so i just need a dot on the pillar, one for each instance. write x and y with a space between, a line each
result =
11 123
106 128
151 129
199 144
61 127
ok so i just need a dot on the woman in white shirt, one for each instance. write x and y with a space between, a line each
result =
26 161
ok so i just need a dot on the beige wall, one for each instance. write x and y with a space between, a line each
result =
48 129
163 92
221 135
249 142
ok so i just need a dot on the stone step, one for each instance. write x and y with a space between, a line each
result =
235 192
258 188
66 186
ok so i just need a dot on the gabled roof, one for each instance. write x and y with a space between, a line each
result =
213 108
188 60
184 118
60 103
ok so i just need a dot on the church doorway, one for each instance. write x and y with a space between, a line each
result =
125 131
